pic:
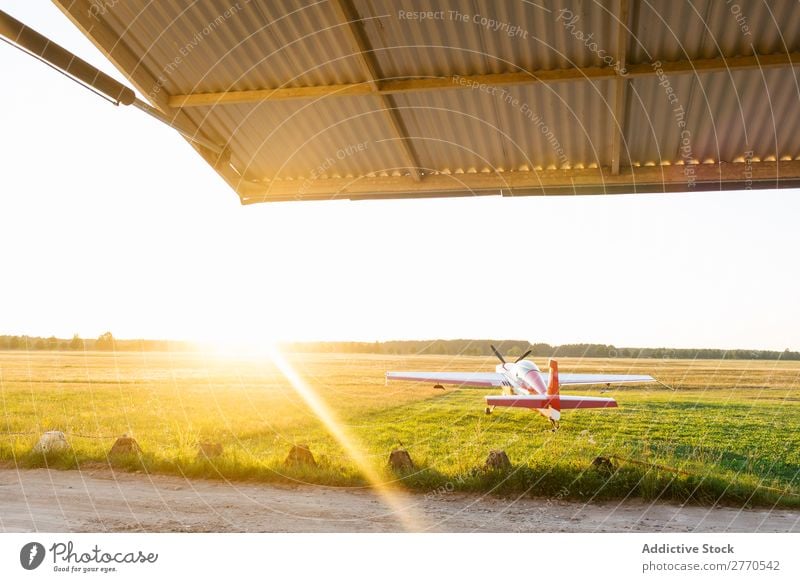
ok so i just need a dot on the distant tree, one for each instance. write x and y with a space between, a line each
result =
52 343
40 344
76 343
105 342
13 343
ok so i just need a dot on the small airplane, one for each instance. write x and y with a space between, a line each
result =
525 386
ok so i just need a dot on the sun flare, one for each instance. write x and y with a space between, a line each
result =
402 510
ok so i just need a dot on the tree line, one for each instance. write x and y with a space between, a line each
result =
459 347
515 348
105 342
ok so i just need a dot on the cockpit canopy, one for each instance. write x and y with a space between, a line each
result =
527 365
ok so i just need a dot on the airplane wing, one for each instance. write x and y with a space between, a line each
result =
564 402
578 379
460 378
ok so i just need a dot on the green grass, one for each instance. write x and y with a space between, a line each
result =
727 434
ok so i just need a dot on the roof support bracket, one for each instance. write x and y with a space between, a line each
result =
348 14
620 88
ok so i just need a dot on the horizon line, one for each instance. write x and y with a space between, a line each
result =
427 340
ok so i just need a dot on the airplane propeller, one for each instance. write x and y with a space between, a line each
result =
523 356
502 359
496 353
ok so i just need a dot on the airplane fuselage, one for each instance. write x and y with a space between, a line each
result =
522 378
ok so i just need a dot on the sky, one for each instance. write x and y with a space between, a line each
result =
110 221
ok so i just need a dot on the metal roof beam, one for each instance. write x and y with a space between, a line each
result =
61 59
411 85
363 51
672 178
620 88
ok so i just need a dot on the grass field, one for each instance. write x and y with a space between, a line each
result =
727 433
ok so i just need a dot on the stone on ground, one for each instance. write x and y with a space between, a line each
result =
53 441
300 455
497 461
400 460
603 464
125 445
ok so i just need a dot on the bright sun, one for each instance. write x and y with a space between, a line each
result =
238 346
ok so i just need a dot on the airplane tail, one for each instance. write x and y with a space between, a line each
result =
552 386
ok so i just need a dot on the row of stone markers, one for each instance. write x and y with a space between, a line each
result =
55 441
399 459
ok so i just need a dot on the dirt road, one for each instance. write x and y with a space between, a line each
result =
99 500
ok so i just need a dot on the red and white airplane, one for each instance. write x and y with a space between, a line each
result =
525 386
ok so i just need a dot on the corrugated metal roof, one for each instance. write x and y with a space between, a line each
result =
727 114
671 31
461 40
223 46
524 128
217 46
291 139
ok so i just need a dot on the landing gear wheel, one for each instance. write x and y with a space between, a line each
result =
554 425
488 410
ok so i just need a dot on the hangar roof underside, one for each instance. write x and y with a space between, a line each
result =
368 99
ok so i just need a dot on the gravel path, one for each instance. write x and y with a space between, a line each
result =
102 500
